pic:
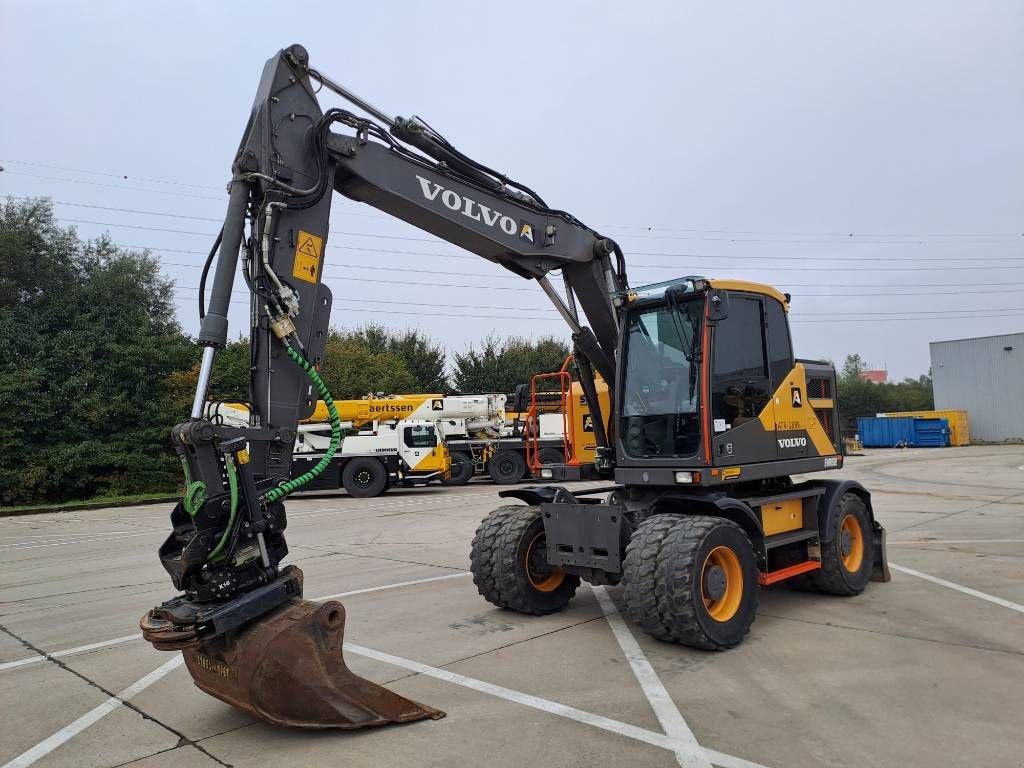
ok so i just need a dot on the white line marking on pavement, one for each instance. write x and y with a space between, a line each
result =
71 651
54 536
955 541
668 714
129 638
102 537
960 588
687 747
393 586
69 731
561 710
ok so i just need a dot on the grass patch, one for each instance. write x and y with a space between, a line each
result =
98 501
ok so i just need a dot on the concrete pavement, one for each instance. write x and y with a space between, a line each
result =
911 673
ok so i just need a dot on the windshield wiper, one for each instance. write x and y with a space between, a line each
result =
689 350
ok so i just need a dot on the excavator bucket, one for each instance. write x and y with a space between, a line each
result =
287 668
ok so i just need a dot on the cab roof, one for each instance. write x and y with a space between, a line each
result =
746 285
694 283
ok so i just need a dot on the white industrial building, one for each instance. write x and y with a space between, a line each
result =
985 377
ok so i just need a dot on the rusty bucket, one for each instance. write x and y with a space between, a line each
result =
287 668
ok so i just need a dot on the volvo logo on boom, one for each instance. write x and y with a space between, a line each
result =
471 209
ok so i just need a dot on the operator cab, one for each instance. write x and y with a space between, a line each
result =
709 390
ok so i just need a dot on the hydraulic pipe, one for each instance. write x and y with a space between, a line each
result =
346 94
204 382
214 330
568 315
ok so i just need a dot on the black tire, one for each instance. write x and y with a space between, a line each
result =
507 467
839 573
462 469
550 456
665 574
364 477
639 577
508 564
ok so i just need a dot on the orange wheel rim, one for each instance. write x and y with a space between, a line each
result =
721 583
851 543
542 577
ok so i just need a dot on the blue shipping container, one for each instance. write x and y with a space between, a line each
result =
892 431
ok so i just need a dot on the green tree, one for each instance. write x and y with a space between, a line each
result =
853 366
500 365
229 379
90 341
864 398
423 359
351 369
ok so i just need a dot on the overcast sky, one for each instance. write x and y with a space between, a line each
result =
866 157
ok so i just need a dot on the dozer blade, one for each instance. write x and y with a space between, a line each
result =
287 668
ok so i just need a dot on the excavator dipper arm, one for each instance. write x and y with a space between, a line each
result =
240 619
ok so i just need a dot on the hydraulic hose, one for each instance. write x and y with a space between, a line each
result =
215 553
282 490
195 492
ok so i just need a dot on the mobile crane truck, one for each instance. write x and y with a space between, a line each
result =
471 426
476 432
378 456
711 415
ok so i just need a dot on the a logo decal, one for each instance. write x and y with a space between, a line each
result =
588 423
437 405
792 442
798 399
526 233
470 208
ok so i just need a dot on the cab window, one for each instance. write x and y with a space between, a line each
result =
419 437
739 383
780 349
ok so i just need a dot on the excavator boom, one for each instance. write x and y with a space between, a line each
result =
248 636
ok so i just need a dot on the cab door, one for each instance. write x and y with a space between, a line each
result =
789 397
742 407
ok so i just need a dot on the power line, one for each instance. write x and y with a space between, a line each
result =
113 175
117 186
464 256
512 277
873 237
897 314
755 267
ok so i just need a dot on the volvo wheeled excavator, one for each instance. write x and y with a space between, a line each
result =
711 414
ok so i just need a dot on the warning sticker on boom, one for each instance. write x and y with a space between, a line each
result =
307 257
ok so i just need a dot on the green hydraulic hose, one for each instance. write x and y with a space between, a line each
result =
282 490
215 554
195 492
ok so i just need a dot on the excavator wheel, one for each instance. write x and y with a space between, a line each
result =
506 467
462 469
691 580
509 563
846 560
364 477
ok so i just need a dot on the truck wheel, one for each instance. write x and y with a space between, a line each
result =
692 580
506 467
509 563
364 478
551 456
462 469
846 560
